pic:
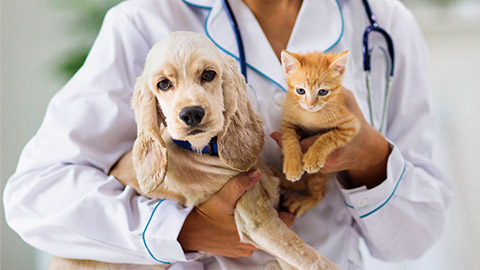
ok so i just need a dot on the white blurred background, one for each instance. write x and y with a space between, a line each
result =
34 32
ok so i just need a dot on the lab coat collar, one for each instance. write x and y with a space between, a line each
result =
319 27
201 3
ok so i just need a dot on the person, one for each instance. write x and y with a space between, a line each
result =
384 187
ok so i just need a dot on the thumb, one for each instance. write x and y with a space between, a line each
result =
225 199
277 136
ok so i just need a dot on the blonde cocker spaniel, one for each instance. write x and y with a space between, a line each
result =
190 99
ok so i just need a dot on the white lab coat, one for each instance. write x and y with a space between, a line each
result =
61 200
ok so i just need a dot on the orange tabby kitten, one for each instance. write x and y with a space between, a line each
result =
314 103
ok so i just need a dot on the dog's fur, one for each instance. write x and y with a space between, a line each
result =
165 170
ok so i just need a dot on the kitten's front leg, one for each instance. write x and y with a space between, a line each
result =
316 155
292 152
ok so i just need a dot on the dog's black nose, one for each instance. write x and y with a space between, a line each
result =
192 116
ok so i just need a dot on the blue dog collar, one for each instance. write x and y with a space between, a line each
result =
211 148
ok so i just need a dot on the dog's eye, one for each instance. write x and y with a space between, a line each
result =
208 75
164 84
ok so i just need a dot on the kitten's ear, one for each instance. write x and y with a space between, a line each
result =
289 62
340 63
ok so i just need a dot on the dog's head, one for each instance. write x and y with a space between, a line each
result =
197 93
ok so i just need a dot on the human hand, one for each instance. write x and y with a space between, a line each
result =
364 157
124 172
211 226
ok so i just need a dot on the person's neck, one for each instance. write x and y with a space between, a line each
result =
276 18
265 8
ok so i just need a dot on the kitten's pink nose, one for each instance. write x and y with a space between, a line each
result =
311 103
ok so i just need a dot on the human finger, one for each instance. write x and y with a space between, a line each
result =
352 103
235 253
225 199
124 172
287 217
307 142
277 137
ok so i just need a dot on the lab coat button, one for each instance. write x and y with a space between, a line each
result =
279 98
362 202
272 265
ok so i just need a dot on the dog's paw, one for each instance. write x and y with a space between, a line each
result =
293 170
313 162
299 204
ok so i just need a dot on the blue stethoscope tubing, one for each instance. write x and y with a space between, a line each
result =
367 53
241 50
375 28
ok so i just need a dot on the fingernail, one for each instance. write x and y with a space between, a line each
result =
254 174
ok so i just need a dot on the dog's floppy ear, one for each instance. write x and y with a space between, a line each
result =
242 139
149 150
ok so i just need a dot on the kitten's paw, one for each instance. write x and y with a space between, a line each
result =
313 162
311 168
299 204
293 170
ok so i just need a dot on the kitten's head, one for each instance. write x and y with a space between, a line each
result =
313 78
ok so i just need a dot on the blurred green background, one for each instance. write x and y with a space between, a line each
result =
86 22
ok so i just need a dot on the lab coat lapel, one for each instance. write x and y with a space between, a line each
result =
201 3
319 26
259 55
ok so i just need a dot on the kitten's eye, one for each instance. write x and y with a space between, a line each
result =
300 91
164 84
208 75
323 92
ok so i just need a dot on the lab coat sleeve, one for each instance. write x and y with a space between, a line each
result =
404 216
61 200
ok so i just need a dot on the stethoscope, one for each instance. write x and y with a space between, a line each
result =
367 53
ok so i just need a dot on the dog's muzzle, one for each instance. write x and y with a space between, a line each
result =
192 116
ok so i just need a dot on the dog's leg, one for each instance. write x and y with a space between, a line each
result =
284 265
258 223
